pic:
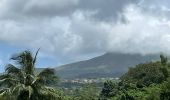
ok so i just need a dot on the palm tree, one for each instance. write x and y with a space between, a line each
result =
20 82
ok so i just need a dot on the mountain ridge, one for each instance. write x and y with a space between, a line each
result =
106 65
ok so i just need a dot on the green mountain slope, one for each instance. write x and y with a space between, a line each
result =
107 65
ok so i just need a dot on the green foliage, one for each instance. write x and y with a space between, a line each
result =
146 74
164 59
109 89
148 81
20 82
88 92
165 90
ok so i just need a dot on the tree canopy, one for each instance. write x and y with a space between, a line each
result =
20 82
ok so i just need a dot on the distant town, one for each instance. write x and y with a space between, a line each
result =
88 81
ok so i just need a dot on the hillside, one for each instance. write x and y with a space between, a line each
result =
147 81
107 65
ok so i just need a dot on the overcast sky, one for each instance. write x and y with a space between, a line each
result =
73 30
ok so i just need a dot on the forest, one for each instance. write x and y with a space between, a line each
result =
145 81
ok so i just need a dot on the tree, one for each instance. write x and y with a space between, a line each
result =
109 89
145 74
165 90
164 59
87 92
20 82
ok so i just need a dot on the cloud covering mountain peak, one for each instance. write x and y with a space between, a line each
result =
80 29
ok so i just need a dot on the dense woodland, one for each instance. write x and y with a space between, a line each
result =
147 81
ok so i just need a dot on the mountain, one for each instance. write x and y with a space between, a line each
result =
107 65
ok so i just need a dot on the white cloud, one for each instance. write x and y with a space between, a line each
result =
143 33
80 36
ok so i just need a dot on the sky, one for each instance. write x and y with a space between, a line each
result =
74 30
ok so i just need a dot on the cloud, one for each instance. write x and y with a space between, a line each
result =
17 9
50 7
105 11
155 7
144 33
77 29
57 36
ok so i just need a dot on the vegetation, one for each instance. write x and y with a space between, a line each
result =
147 81
19 82
87 92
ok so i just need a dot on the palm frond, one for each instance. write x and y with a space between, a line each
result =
47 93
22 92
12 69
3 76
18 58
17 89
8 82
47 72
29 67
21 88
25 61
47 77
35 58
5 91
15 72
30 90
29 79
6 94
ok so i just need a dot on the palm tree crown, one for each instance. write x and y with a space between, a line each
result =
20 82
